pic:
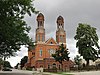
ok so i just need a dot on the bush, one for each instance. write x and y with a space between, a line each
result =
88 68
50 70
29 68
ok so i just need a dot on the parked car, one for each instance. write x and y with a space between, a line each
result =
6 69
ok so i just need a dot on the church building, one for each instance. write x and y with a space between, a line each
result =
41 54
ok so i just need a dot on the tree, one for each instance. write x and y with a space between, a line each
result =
16 67
1 61
77 60
23 61
7 64
61 54
87 39
13 29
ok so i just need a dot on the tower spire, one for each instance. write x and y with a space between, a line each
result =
40 20
60 23
40 31
60 32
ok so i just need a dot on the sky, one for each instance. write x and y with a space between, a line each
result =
73 12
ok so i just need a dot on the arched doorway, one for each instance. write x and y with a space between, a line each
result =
53 65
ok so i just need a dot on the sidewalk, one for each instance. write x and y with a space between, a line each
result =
47 73
75 73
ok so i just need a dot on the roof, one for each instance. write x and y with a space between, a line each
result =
60 18
40 15
51 41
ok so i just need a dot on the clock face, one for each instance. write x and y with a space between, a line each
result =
51 51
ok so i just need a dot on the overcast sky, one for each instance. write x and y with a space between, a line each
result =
73 12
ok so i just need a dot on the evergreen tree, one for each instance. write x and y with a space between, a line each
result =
1 61
16 67
61 54
7 64
23 61
77 60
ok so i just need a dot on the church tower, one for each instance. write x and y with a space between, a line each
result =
60 32
40 31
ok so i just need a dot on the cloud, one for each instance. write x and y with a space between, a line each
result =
74 12
99 41
14 60
71 45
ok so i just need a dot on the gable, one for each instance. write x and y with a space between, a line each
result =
51 41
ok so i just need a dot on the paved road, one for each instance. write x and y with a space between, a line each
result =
16 72
19 72
23 72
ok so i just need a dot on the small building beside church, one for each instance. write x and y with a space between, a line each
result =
41 54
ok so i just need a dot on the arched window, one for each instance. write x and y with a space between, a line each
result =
42 37
38 24
61 38
48 66
41 23
40 52
59 67
38 37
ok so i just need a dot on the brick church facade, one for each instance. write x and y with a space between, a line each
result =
41 54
